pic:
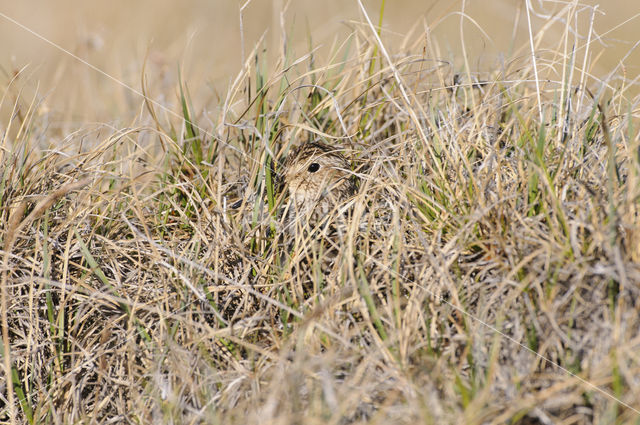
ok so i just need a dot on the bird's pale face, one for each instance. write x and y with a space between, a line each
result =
318 178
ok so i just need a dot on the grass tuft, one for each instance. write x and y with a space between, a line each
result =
488 270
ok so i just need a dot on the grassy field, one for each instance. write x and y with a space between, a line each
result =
488 271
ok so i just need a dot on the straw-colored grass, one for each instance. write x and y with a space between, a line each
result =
489 271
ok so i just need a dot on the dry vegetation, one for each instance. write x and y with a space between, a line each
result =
489 271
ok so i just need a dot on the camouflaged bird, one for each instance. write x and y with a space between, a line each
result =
320 184
319 180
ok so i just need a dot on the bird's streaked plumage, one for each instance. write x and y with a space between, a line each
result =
318 179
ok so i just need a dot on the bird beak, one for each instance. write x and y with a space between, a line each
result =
236 204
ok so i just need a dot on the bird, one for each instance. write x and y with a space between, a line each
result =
315 181
318 179
320 185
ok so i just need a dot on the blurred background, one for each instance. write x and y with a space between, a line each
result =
204 39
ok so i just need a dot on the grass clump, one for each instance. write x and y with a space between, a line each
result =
488 271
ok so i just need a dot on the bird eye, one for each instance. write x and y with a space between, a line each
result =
314 167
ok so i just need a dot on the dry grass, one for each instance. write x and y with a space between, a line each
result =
489 271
